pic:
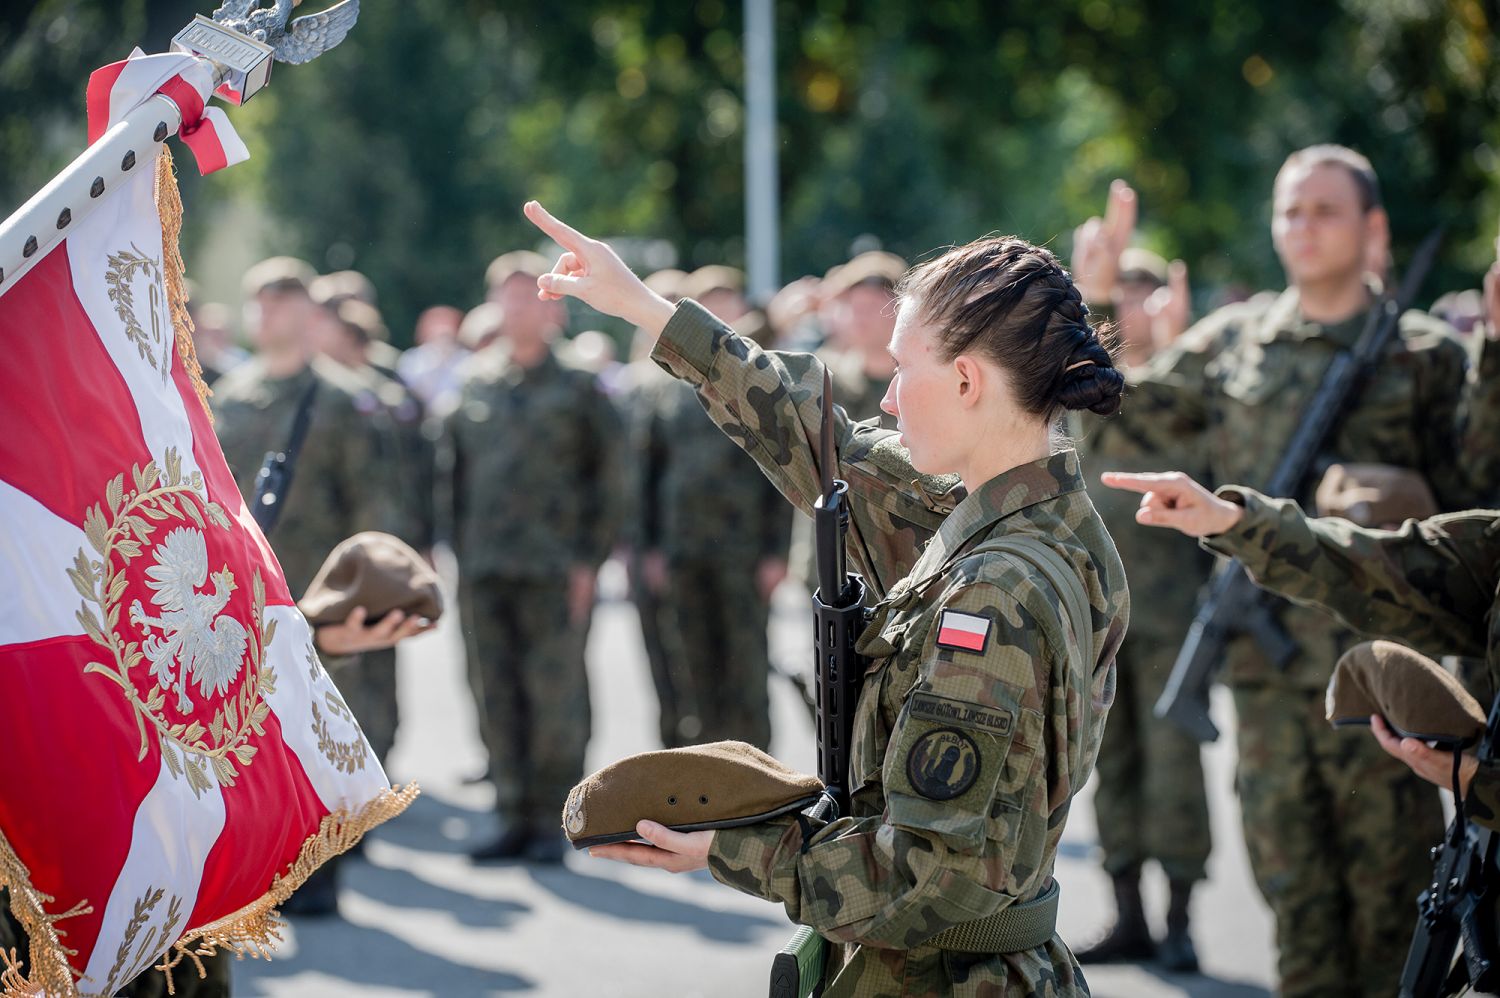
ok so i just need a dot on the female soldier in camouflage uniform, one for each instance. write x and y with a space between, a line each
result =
981 714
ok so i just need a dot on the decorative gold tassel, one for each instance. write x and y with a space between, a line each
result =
51 973
169 207
251 931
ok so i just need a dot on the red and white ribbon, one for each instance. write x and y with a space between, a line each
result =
186 81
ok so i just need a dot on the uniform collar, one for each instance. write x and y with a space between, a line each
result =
1284 321
1007 493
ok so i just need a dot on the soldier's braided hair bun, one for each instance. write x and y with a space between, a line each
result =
1014 303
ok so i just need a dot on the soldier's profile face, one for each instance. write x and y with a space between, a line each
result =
922 396
1319 225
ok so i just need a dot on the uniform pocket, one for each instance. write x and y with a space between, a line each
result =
946 763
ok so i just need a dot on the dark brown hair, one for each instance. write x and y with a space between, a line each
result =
1015 304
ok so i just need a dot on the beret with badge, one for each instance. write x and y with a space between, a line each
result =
718 785
376 571
1416 696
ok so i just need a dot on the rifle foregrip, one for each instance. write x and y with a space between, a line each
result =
797 971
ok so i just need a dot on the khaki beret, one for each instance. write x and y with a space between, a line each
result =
503 267
1141 266
361 319
481 325
279 273
718 785
1416 696
1375 495
712 278
884 270
376 571
342 284
667 283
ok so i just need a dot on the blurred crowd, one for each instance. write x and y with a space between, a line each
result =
537 451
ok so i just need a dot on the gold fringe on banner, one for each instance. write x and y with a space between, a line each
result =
251 931
50 972
169 207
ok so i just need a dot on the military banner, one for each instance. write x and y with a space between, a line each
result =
175 759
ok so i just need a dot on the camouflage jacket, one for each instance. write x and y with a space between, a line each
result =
1238 382
1434 584
534 460
331 495
404 458
703 498
964 760
641 383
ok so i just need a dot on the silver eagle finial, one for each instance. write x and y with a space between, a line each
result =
303 40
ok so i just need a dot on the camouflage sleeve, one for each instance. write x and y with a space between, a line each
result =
966 779
1478 420
1429 584
769 403
602 477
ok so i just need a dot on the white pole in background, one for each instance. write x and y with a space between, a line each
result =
762 197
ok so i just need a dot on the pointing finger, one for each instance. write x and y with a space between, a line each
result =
1142 482
565 235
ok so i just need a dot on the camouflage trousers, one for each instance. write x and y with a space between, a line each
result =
670 688
532 692
718 634
1338 834
1150 799
367 682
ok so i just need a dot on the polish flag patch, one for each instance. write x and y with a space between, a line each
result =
963 630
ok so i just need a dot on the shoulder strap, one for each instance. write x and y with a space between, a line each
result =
301 420
1063 579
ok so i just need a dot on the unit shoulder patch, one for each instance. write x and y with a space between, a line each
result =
930 707
943 764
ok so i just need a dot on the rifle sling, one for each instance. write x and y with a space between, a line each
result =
301 421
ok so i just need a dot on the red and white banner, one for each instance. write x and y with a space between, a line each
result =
171 743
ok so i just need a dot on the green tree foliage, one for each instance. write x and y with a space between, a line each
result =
407 151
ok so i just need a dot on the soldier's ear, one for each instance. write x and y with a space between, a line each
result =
971 378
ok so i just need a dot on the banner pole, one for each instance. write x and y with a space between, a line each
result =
39 224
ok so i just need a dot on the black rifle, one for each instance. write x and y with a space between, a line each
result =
1459 907
274 479
838 618
1229 603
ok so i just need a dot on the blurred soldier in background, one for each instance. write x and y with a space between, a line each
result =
859 303
1337 831
330 497
641 385
403 470
1150 799
213 339
534 481
723 529
430 369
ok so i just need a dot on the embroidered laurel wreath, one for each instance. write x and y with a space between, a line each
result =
189 643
